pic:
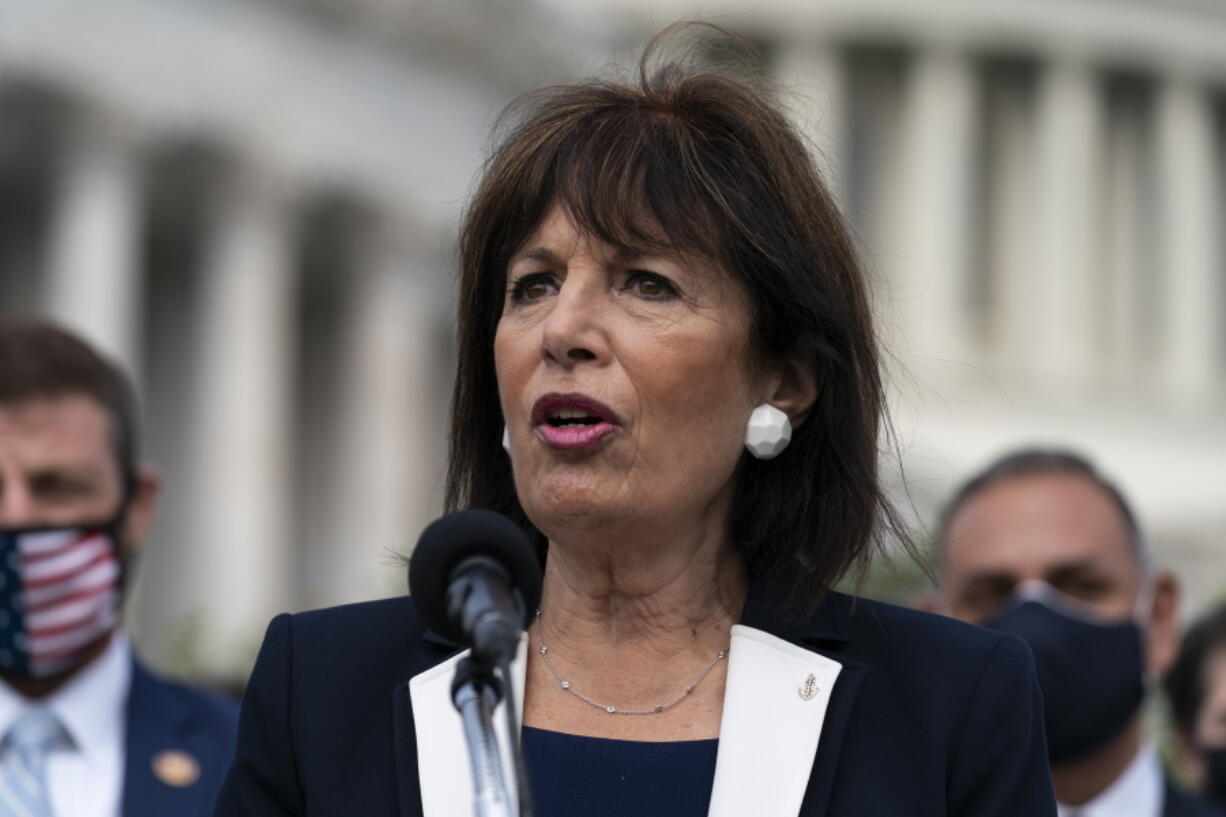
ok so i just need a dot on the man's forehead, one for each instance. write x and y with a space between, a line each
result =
1027 525
64 429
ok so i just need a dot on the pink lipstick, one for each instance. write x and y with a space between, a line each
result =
572 422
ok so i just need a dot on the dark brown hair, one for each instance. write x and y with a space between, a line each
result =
39 359
700 161
1028 462
1185 683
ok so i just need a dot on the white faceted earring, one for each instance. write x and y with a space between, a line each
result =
506 439
768 432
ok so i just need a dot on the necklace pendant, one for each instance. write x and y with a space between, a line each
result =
809 691
566 685
611 710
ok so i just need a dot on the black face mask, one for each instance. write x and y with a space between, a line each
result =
1091 674
1215 774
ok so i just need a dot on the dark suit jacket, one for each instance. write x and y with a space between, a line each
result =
928 716
1179 803
170 727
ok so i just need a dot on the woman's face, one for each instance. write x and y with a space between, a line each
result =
1211 720
624 383
1209 728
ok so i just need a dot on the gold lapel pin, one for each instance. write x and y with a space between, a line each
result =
809 691
176 768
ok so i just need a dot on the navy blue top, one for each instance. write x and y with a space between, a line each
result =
930 717
577 776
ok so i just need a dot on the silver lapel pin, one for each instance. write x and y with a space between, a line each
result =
809 691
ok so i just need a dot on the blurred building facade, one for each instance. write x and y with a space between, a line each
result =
253 204
253 207
1039 191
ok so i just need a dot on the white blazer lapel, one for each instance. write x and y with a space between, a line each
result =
443 770
775 703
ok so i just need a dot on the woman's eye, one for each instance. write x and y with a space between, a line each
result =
532 287
650 285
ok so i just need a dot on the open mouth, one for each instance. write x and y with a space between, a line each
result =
572 418
572 422
572 410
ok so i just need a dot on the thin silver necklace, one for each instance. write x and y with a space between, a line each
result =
613 710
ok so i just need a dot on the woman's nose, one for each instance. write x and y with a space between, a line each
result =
574 329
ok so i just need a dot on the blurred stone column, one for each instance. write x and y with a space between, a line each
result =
387 470
1003 297
1191 241
814 82
93 275
933 266
241 468
1069 122
1129 275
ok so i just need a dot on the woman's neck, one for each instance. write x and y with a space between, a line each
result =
664 599
632 621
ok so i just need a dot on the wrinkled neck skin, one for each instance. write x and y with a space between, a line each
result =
647 591
1080 780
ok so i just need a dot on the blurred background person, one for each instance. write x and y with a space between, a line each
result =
1196 687
1041 545
87 730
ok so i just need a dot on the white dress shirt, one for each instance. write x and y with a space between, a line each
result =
1137 793
85 769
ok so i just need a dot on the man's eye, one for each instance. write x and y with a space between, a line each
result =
1086 589
60 488
984 603
984 600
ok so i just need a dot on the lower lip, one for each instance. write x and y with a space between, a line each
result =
574 438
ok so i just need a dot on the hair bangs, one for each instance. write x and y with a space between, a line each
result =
623 172
627 184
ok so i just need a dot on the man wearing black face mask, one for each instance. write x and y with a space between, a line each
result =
1196 686
85 729
1039 544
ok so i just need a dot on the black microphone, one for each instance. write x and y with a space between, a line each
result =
476 580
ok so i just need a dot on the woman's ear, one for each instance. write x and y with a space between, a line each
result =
795 385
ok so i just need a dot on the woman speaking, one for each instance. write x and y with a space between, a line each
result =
668 377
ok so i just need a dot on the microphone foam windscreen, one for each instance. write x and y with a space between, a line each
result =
451 539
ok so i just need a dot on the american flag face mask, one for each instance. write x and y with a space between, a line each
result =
60 592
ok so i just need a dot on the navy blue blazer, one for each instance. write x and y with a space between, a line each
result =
1178 803
179 743
928 716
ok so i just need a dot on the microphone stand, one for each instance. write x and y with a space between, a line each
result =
475 691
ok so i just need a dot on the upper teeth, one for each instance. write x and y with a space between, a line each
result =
569 413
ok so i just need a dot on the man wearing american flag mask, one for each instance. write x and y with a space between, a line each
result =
85 729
